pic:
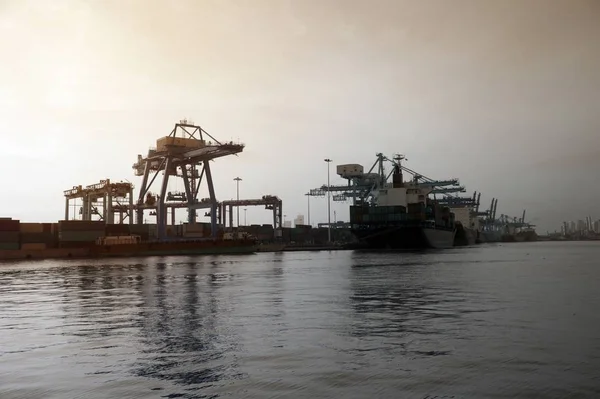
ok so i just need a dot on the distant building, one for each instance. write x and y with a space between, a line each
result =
287 224
299 220
597 227
573 228
580 226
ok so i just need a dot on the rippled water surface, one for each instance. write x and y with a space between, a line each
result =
517 320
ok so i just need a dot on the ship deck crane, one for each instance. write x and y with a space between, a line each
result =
363 187
179 154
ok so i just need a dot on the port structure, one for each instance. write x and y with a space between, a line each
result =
488 219
180 154
503 223
112 198
270 202
512 222
362 188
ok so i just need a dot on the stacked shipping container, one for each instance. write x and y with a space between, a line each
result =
78 233
9 233
37 236
378 214
198 230
301 234
143 230
117 230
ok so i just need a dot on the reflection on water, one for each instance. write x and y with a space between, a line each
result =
478 322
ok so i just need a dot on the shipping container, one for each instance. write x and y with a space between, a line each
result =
194 235
31 228
27 238
76 244
9 236
193 228
9 225
264 237
141 228
33 246
81 225
81 236
9 245
117 230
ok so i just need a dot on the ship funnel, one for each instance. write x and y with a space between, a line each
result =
397 177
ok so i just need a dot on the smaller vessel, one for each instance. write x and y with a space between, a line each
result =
517 230
521 235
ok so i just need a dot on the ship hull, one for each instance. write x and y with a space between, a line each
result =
465 236
136 250
404 238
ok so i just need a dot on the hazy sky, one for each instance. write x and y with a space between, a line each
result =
504 95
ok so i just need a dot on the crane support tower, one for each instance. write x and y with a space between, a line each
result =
180 154
112 198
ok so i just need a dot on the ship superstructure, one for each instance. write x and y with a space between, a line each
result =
396 214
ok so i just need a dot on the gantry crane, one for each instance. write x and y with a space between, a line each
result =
180 154
514 222
270 202
110 197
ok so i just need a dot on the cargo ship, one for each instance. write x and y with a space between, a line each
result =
94 239
403 218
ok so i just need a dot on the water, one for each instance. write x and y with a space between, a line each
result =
518 320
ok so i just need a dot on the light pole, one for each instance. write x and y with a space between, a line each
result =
245 223
237 182
328 202
308 203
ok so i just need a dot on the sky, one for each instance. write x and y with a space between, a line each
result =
504 95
